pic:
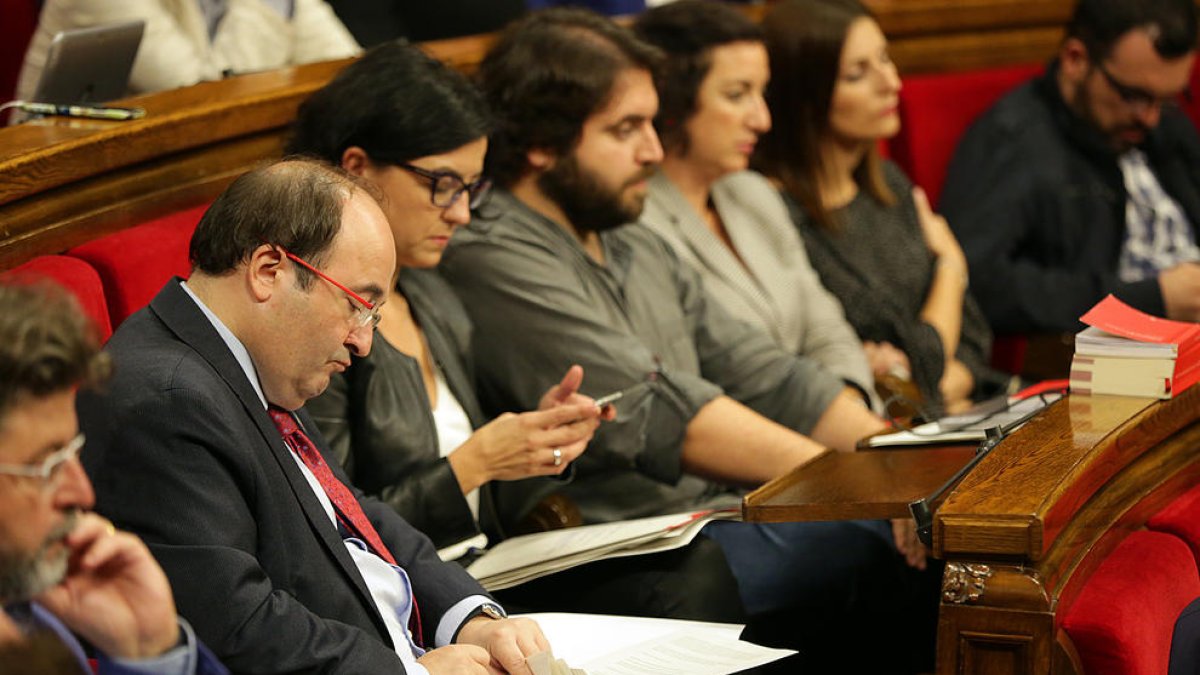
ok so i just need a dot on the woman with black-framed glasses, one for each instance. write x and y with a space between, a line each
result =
418 131
405 421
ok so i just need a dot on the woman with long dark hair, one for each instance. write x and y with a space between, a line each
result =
873 238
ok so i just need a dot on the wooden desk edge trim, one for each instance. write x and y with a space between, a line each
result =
161 134
763 493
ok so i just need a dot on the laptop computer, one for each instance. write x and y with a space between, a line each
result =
89 65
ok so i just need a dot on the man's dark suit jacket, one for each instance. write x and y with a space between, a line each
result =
182 452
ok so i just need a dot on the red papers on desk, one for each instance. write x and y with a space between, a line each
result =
1128 352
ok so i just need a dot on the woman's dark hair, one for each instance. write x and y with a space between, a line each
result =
804 42
546 75
1098 24
396 103
687 31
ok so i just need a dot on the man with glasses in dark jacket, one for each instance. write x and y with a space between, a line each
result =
1086 181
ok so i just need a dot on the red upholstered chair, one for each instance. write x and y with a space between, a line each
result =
935 110
1182 519
1191 103
76 276
1122 620
135 263
18 21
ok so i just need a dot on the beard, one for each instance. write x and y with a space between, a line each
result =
588 204
24 576
1084 106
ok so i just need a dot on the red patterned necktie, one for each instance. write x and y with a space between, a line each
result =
345 506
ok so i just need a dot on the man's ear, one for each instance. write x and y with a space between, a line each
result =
355 160
1074 62
264 272
540 159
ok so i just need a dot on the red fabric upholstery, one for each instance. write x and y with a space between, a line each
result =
1182 519
1008 353
935 110
77 277
135 263
18 20
1122 621
1191 103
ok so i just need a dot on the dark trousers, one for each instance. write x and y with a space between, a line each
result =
837 592
1185 642
693 582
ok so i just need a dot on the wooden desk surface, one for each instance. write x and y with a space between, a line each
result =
853 485
1021 497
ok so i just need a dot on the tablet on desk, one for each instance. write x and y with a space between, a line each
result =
89 65
968 427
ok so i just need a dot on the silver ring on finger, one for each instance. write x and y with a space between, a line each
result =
557 456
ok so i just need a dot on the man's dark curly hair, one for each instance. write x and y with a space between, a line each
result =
547 74
1100 23
47 344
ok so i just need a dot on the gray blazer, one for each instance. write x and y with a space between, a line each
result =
776 289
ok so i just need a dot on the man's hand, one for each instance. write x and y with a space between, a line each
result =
458 660
8 630
904 531
1180 287
508 641
115 595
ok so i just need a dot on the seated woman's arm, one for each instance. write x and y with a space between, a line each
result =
943 309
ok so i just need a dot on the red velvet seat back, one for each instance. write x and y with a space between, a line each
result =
135 263
1182 519
1122 621
76 276
1191 103
18 21
935 110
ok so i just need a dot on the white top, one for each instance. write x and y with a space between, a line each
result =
453 428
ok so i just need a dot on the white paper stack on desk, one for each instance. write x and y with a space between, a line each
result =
520 559
632 645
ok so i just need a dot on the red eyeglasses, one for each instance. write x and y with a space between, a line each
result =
365 313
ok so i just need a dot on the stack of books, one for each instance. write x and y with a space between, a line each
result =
1129 353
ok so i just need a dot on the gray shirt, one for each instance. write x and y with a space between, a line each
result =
540 303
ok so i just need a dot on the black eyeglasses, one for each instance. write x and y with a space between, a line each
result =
446 186
1138 98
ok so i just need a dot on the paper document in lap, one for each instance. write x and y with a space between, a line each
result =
520 559
626 645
